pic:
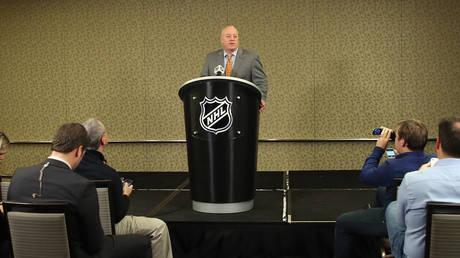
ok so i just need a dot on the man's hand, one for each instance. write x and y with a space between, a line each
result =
429 164
262 106
425 166
127 189
384 138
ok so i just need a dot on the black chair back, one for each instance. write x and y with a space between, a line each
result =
442 230
396 183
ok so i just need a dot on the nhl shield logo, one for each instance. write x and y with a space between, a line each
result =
216 115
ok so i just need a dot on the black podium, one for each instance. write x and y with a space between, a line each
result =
222 126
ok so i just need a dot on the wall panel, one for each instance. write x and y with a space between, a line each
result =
104 55
357 9
178 34
31 69
431 89
336 69
24 156
282 34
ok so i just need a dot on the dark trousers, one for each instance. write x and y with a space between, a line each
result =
123 246
4 238
352 227
133 245
4 248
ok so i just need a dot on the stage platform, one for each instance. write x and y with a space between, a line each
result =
294 214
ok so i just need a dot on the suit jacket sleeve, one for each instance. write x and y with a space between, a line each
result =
259 77
91 229
374 174
119 200
206 71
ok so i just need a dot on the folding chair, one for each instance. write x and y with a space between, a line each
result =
104 188
442 230
39 230
4 184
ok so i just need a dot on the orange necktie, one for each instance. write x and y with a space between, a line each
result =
228 68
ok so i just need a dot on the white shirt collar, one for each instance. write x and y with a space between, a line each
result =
59 159
233 53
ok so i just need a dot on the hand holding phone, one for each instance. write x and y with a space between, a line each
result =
127 186
128 181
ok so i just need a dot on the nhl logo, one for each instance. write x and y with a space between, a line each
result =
216 115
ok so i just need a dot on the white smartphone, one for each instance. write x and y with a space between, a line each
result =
433 161
390 153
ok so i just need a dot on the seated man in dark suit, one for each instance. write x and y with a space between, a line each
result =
93 166
55 180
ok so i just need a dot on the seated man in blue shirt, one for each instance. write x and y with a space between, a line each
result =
438 182
410 141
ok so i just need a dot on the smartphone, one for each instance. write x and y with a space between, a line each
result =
129 181
390 153
433 161
377 131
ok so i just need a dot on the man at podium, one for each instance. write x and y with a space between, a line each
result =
236 62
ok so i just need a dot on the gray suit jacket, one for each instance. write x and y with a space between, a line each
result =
247 66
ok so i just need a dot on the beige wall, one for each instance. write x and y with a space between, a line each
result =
336 69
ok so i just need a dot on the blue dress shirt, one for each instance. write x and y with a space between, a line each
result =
384 174
440 183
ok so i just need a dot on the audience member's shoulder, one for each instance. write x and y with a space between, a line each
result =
107 167
430 156
81 185
417 176
103 169
78 179
24 171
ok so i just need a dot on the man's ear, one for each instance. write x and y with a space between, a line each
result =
104 140
438 143
80 151
404 143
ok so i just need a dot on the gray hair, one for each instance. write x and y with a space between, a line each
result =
95 132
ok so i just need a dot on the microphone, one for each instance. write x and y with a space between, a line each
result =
40 180
219 70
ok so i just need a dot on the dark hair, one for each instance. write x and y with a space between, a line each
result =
414 133
449 135
4 141
69 137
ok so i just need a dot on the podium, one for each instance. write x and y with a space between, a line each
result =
222 127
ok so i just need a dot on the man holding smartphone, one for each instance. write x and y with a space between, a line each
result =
411 138
93 166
